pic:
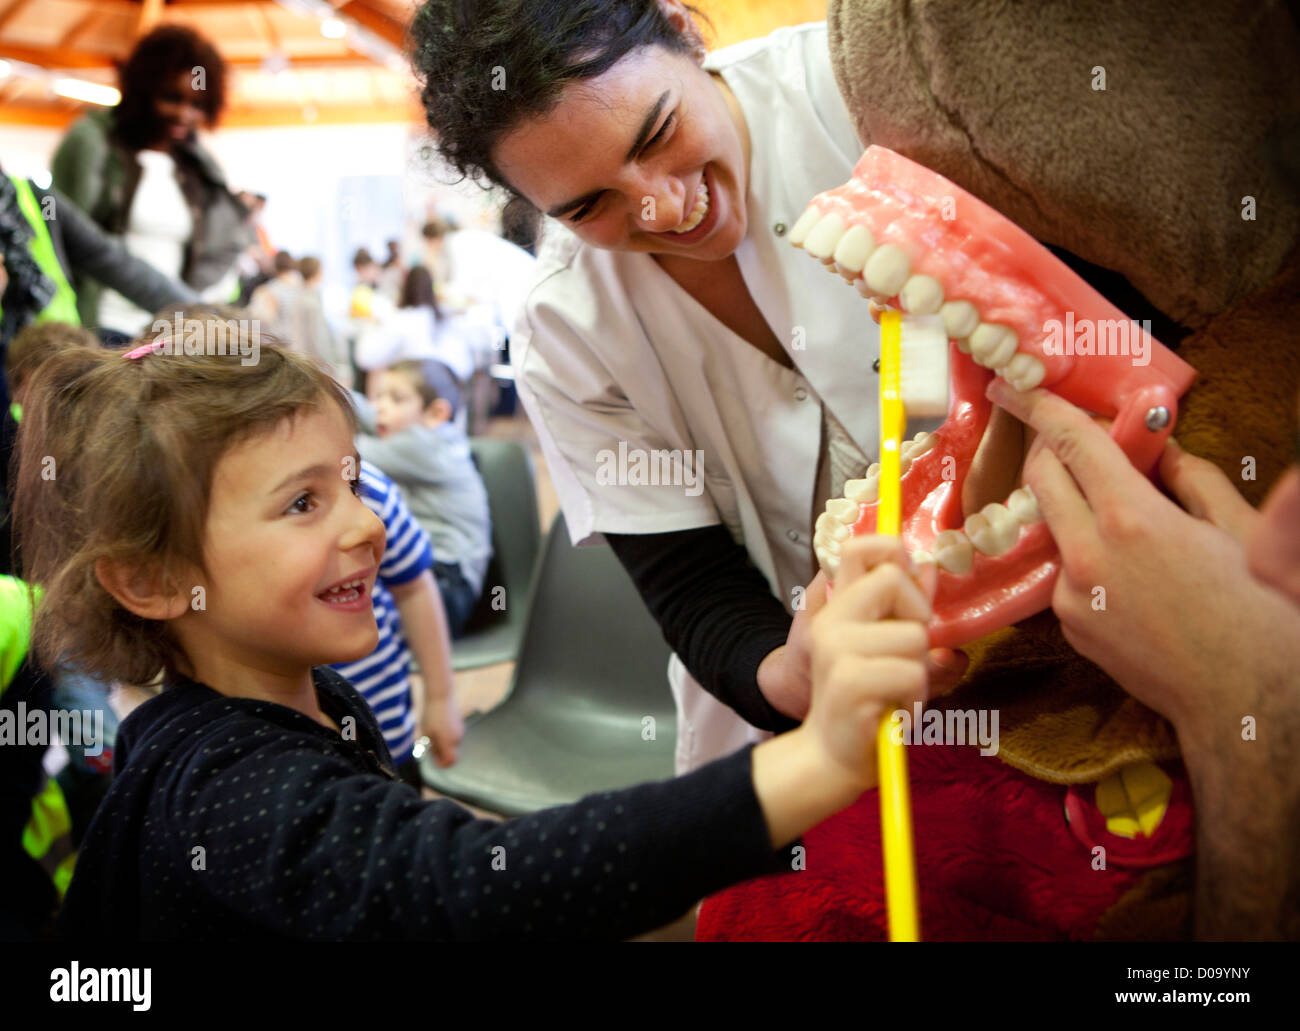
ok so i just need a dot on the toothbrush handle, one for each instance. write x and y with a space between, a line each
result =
891 757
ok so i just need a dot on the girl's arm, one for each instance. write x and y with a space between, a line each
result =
325 851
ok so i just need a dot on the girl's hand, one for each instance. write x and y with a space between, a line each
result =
785 676
869 649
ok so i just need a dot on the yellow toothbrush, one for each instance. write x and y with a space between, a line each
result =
919 385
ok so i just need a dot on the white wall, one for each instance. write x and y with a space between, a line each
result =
330 188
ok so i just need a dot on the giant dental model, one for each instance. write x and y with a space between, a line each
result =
906 236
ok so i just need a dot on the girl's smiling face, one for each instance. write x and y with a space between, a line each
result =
650 146
285 524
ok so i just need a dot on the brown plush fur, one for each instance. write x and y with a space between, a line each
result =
1201 109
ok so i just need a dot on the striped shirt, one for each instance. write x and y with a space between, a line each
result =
383 678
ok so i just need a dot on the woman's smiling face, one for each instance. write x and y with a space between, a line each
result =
624 159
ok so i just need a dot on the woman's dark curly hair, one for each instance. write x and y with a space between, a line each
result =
166 52
486 65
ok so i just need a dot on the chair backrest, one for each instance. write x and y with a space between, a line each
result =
591 651
507 473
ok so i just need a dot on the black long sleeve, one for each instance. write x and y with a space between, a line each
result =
715 609
234 819
88 250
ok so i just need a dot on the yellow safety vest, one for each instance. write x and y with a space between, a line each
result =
63 306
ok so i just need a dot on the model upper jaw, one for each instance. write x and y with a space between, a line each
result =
904 235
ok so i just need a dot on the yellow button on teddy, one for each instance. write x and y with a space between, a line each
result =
1134 800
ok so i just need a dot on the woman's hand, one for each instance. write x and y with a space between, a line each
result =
1159 598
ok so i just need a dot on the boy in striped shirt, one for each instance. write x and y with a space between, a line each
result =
410 615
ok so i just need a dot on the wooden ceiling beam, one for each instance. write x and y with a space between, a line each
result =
12 11
54 57
385 28
79 27
150 10
68 59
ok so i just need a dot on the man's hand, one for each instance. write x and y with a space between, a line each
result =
1159 598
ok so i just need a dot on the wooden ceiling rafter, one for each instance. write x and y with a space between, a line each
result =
12 11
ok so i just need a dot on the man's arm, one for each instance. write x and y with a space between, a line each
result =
1247 791
93 252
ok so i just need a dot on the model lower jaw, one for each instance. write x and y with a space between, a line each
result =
996 290
995 566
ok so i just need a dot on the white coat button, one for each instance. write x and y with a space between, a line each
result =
792 534
800 394
779 229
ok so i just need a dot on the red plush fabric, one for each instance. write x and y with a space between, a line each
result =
996 860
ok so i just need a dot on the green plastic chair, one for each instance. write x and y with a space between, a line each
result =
491 634
589 707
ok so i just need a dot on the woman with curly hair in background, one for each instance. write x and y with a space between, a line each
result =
140 172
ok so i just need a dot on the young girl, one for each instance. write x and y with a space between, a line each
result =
199 516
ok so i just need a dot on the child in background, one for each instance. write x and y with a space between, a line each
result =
201 524
275 303
32 346
410 616
412 435
314 335
83 781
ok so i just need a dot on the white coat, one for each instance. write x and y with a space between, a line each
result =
610 349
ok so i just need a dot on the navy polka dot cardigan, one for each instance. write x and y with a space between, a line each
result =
235 819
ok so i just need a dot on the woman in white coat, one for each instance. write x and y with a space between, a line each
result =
672 333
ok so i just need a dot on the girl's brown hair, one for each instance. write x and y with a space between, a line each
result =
115 460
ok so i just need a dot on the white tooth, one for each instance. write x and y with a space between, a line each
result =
921 295
953 551
993 529
864 491
922 557
959 319
1024 371
829 562
843 509
829 529
825 235
803 226
886 269
993 345
865 290
854 248
1023 505
918 445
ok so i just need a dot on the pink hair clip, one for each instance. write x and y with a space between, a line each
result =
150 348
